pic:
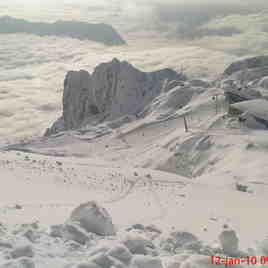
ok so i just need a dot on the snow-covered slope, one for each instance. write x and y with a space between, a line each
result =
192 186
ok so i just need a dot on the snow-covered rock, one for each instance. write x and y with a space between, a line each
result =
19 263
168 85
253 113
57 230
93 218
250 72
174 261
249 63
169 102
5 243
115 89
22 251
76 233
101 259
57 126
120 252
138 243
31 235
180 241
140 261
229 242
76 95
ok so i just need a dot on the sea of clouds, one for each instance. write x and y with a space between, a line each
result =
32 68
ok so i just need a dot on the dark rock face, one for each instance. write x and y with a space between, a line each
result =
250 63
102 33
241 79
75 98
115 89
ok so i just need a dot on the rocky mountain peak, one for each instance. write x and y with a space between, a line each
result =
114 89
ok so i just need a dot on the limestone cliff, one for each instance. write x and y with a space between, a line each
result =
115 89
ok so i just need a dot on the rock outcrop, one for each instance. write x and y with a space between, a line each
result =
242 79
93 218
250 70
115 89
229 242
250 63
102 33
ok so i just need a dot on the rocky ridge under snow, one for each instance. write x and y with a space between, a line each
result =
117 90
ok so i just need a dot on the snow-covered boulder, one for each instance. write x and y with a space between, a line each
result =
31 235
229 242
57 231
138 243
5 244
93 218
140 261
19 263
108 253
101 259
253 114
249 63
180 241
76 233
174 261
251 122
120 252
263 247
22 251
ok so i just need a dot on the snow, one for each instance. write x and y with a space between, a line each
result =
258 107
143 194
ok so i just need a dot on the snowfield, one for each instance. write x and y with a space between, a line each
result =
117 181
138 193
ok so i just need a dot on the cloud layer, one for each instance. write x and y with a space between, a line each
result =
32 68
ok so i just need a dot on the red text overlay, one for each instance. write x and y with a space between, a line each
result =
231 261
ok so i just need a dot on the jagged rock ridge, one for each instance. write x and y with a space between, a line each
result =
249 63
115 89
102 33
248 71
